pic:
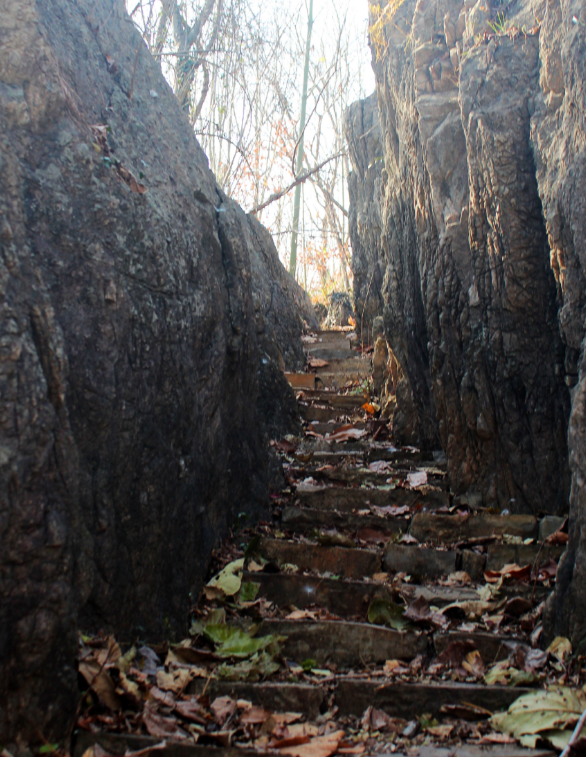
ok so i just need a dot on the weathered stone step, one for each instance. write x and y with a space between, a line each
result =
345 598
301 380
340 561
344 643
122 743
408 700
490 645
321 413
332 399
361 475
358 366
306 519
340 379
499 555
427 563
347 499
333 352
276 697
449 529
475 750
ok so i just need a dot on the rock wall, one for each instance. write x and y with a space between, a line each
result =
133 340
559 141
470 299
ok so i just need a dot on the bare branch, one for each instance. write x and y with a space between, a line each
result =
300 180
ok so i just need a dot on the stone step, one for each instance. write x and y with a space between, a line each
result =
321 413
428 563
301 380
346 499
536 554
306 520
344 598
276 697
122 744
358 366
448 529
332 399
408 700
332 353
340 379
343 643
339 561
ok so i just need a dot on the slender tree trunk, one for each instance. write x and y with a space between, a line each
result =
299 166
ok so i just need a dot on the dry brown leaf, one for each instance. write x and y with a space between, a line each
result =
254 716
321 746
440 731
178 679
100 682
284 718
222 708
512 571
162 726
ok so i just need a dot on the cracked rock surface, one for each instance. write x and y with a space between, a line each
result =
131 352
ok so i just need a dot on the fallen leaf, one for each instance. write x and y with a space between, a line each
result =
556 709
512 571
228 580
417 479
473 664
178 679
254 716
100 682
321 746
161 726
441 732
382 612
561 648
222 708
465 711
316 362
192 710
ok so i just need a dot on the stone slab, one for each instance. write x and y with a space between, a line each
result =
438 596
304 520
499 555
473 750
301 380
447 529
276 697
409 700
491 646
342 561
120 744
344 598
344 644
347 499
418 562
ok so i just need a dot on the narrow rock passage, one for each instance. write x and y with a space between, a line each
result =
374 614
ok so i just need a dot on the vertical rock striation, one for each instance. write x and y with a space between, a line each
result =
559 141
470 300
133 302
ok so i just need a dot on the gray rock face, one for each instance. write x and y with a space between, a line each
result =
470 300
559 143
339 311
130 351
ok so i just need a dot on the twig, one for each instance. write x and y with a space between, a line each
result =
575 736
300 179
134 70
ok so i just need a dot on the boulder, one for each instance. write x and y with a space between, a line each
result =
339 311
132 299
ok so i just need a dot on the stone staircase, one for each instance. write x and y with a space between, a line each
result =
389 592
